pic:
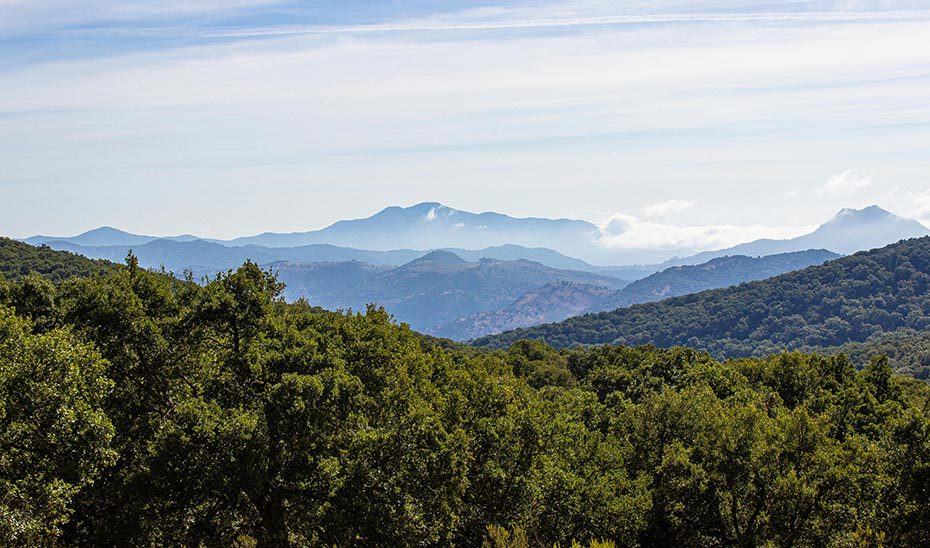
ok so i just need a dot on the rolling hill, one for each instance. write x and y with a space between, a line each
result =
205 257
210 256
715 273
847 300
430 291
559 301
552 302
18 259
107 236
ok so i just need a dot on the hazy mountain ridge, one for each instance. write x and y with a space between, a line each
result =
109 236
431 225
850 299
177 256
556 302
715 273
204 256
432 290
552 302
406 233
847 232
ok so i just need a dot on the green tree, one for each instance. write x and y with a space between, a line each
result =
54 434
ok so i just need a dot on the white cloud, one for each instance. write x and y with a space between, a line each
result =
666 208
484 119
845 183
791 194
911 204
629 232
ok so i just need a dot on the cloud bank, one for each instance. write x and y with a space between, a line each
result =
628 232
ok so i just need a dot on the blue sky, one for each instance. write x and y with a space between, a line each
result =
689 124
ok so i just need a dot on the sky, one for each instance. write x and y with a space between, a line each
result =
677 123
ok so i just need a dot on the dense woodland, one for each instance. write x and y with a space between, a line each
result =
138 409
718 272
18 259
853 299
908 351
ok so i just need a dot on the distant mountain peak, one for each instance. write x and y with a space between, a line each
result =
439 256
867 214
427 205
105 231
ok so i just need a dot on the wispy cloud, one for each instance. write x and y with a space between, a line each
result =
664 209
912 204
628 232
513 24
497 108
846 183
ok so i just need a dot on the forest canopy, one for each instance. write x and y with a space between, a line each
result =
17 259
138 409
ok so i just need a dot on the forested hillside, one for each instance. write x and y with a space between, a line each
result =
137 410
17 259
846 300
908 351
715 273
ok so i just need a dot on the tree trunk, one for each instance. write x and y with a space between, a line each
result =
273 532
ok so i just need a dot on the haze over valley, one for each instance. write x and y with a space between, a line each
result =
465 273
505 280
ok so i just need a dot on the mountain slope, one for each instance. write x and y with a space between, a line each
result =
716 273
107 236
206 257
177 255
846 300
431 225
511 252
849 231
435 289
318 282
552 302
18 259
558 301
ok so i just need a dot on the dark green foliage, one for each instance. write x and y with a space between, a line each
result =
908 351
718 272
54 434
17 259
151 411
846 300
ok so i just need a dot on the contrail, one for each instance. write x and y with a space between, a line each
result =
609 20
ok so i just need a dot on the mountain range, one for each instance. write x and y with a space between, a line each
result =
849 231
205 256
718 272
558 301
869 304
429 291
464 293
854 299
397 235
